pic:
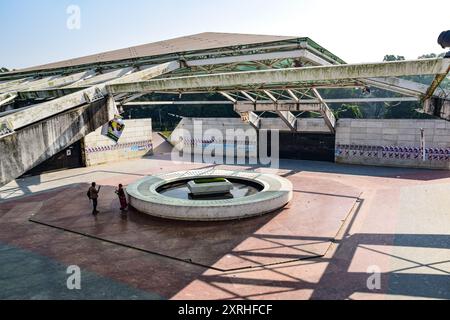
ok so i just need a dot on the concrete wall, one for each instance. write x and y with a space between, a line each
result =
136 142
358 141
393 143
184 137
32 145
190 144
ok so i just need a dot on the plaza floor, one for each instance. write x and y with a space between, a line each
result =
344 223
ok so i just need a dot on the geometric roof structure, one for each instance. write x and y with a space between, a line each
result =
188 45
255 73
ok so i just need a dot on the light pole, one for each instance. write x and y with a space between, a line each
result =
422 144
160 119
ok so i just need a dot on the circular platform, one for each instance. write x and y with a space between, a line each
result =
275 193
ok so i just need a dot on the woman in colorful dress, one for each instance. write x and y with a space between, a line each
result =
122 197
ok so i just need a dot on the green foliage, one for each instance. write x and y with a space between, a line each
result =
428 56
166 134
349 112
404 110
432 56
391 57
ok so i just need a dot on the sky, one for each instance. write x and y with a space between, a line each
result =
35 32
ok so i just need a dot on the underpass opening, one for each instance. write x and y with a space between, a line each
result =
69 158
304 146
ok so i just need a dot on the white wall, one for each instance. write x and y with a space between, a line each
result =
183 137
393 142
224 124
136 142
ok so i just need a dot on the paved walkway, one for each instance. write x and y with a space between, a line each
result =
399 224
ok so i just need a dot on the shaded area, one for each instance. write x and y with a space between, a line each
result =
69 158
27 275
408 275
304 146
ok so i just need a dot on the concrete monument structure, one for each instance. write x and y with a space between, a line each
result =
273 193
255 73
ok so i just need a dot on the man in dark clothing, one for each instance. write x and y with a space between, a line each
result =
93 195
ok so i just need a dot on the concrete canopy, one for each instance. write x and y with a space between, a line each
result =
272 73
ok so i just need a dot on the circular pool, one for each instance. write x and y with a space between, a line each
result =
169 196
239 189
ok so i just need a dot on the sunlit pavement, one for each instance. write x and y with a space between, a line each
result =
344 224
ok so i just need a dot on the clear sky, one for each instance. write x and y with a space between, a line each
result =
35 31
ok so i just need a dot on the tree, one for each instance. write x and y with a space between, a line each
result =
405 110
428 56
349 112
432 56
3 70
391 57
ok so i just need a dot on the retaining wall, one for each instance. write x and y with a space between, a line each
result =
393 143
135 142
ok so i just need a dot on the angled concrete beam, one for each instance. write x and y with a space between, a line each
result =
293 95
228 96
41 111
43 94
44 110
270 95
27 91
27 84
53 82
402 86
26 148
248 96
7 98
251 118
314 59
51 92
62 81
4 86
158 103
302 54
128 101
247 116
48 93
107 76
114 77
435 84
372 100
329 118
241 107
289 119
292 76
326 112
146 73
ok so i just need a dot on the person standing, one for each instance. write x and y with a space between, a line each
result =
122 197
93 195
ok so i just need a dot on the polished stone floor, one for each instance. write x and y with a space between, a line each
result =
343 223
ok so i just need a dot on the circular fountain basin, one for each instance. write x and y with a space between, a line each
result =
168 196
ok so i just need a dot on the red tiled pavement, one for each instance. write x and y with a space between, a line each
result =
287 235
380 231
